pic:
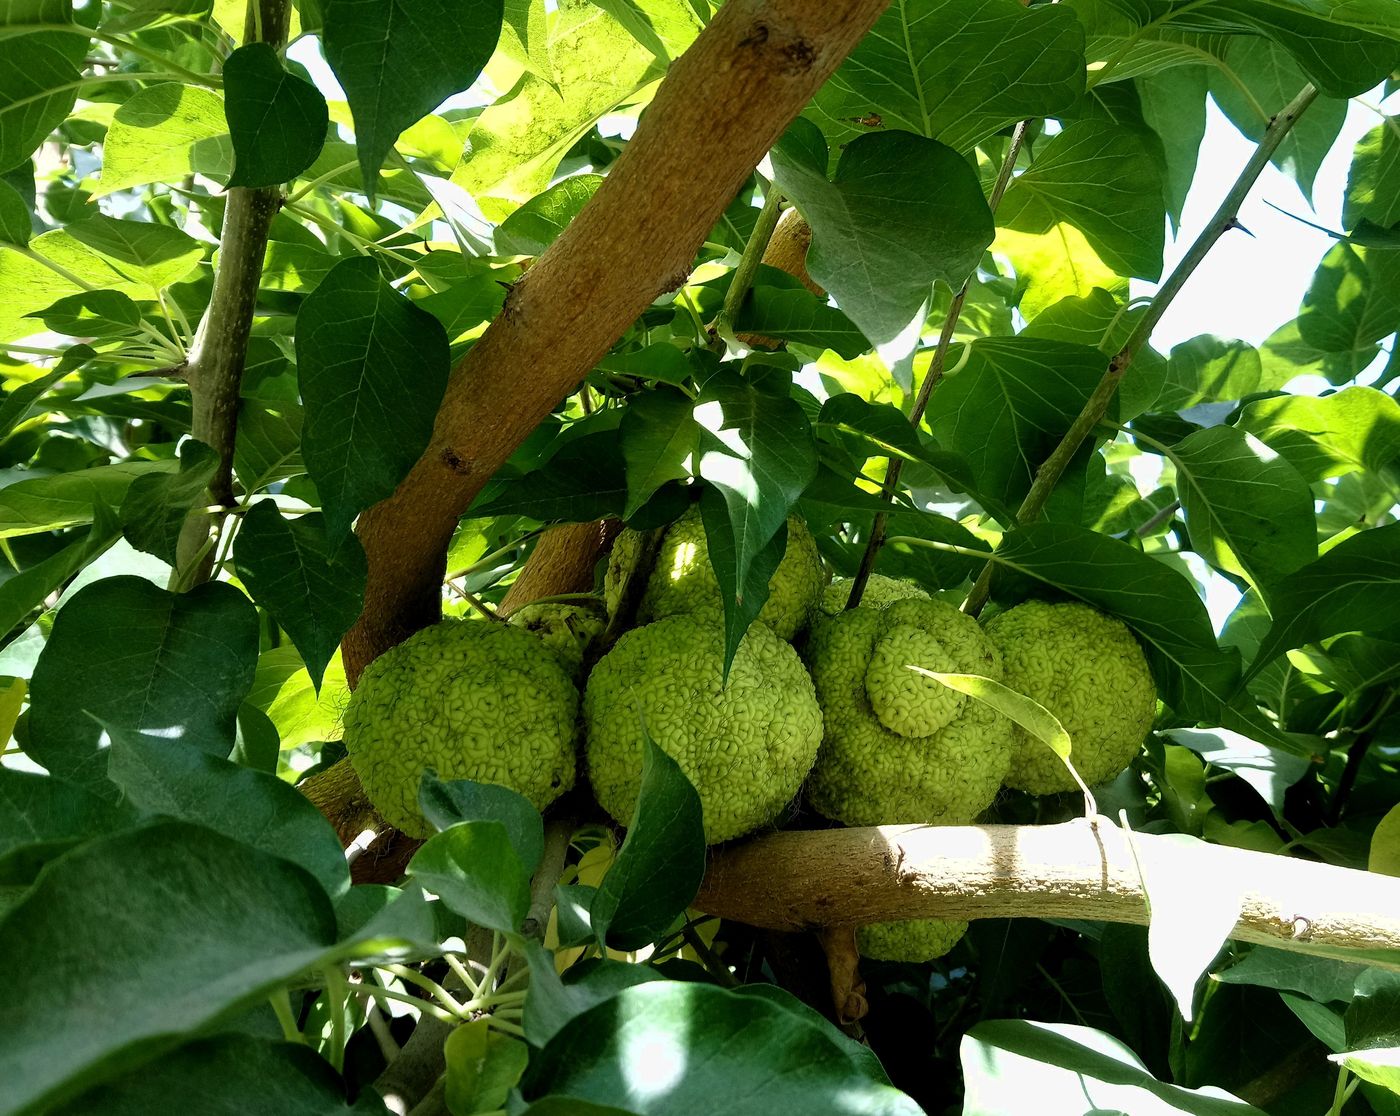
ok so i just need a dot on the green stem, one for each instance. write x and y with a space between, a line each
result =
935 375
281 1002
307 187
744 274
1053 468
336 995
424 1006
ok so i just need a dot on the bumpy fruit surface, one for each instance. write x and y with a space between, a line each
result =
1088 670
880 592
920 939
566 629
482 701
900 747
746 746
682 580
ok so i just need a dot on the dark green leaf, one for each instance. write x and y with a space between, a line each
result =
1008 406
535 225
1358 428
1323 979
703 1042
16 226
286 566
43 817
1354 299
1193 675
178 779
1354 587
554 1002
128 654
658 871
862 1058
793 314
397 60
474 869
19 403
574 920
445 804
230 1075
170 928
1373 185
47 503
92 314
658 436
27 590
155 506
955 71
880 237
372 369
276 119
1174 106
38 85
586 479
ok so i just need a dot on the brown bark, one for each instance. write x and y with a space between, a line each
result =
838 877
562 562
788 249
721 107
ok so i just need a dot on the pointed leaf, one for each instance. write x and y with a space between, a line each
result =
473 868
659 438
276 119
445 804
154 509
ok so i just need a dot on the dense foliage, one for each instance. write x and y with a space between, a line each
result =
192 423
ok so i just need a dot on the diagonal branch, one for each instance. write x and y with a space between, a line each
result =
721 107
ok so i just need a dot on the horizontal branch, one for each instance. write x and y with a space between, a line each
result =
720 108
806 880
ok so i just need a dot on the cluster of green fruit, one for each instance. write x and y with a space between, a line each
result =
873 741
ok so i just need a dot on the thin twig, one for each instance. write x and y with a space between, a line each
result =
744 274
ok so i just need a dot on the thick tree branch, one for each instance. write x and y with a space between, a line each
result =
721 107
562 562
838 877
214 369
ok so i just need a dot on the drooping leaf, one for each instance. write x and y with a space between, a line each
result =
792 314
397 60
170 927
1373 185
128 654
586 479
286 566
445 804
659 436
372 369
276 119
16 226
658 870
38 85
154 508
1174 106
178 779
49 503
1353 301
954 71
880 238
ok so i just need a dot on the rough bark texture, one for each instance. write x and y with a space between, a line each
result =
837 877
788 249
721 107
562 562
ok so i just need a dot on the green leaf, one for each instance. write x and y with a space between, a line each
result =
1354 587
525 36
1258 80
757 451
880 237
49 503
473 868
177 779
44 817
658 436
1174 106
127 654
537 224
161 134
1129 40
658 871
156 505
1026 712
1324 979
397 60
1209 369
92 314
794 314
230 1075
1101 179
462 800
24 592
1009 404
955 71
1193 675
38 86
1354 299
372 368
554 1002
585 479
1357 429
664 27
170 928
1006 1060
282 689
483 1066
276 119
1248 510
1373 184
516 144
268 448
703 1042
16 225
286 566
1378 1065
19 402
1385 845
144 252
